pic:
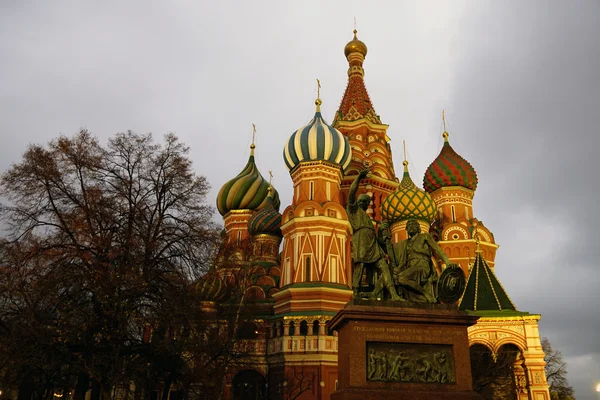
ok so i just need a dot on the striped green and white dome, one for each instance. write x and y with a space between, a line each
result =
317 141
247 191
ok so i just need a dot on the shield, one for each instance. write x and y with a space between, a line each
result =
451 284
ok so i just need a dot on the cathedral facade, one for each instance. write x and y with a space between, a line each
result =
299 263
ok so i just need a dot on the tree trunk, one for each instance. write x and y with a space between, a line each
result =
166 388
26 389
81 388
95 390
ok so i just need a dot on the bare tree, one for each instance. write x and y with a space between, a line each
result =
294 383
99 241
556 373
493 374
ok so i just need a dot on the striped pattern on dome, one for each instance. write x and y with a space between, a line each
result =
267 220
211 287
408 201
315 142
449 169
247 191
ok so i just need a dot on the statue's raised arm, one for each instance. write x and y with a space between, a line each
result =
354 187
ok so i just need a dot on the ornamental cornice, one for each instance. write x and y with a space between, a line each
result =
452 189
314 165
514 319
237 212
440 201
351 125
327 222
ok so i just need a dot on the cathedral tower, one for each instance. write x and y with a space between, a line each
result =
451 181
357 120
315 258
241 196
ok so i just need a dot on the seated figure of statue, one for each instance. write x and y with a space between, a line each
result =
414 271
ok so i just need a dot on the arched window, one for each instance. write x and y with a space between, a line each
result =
315 328
303 328
248 385
292 328
247 330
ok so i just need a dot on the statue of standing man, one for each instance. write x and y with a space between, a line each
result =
366 252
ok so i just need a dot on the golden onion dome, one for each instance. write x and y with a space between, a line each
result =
355 46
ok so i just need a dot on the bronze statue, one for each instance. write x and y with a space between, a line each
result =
366 251
414 268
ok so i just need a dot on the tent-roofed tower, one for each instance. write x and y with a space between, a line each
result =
357 120
501 326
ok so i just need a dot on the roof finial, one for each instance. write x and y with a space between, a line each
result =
318 101
253 146
405 162
355 24
445 134
270 190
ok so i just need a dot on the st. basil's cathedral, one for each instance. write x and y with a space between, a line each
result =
299 265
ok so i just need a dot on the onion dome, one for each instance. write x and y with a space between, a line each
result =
267 220
211 287
317 141
449 169
247 191
408 201
355 46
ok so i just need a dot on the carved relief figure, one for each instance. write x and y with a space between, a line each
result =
427 366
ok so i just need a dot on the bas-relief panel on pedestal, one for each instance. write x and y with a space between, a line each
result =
410 363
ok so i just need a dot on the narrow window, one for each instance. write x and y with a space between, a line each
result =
467 213
328 191
311 190
453 214
239 238
307 266
333 269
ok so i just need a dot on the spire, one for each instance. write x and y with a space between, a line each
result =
318 101
445 134
253 146
356 103
484 292
405 162
406 182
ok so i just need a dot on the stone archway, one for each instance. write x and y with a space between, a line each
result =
495 374
248 385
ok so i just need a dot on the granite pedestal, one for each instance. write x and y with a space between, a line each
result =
402 350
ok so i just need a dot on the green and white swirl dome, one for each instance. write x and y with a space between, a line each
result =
317 141
247 191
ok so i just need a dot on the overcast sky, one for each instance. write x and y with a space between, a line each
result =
520 83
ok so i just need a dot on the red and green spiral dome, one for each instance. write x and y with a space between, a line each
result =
449 169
